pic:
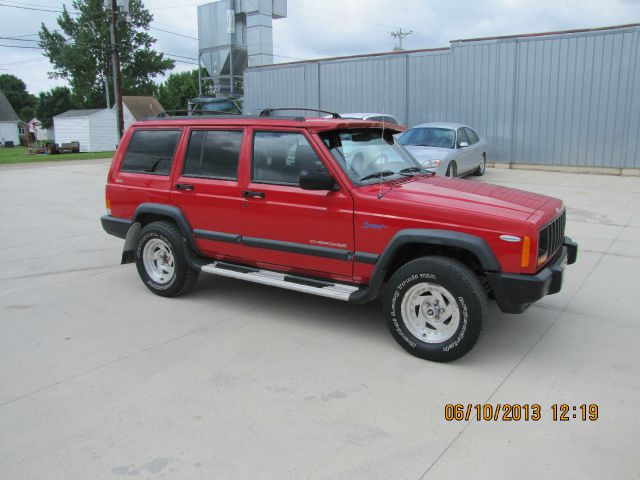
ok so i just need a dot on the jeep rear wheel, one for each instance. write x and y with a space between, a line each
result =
435 308
160 260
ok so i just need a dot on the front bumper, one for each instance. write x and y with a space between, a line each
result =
515 293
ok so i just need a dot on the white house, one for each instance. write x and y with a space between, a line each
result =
94 129
8 122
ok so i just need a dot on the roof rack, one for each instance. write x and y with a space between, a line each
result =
268 112
195 113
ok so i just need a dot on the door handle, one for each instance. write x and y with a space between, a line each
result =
184 186
249 193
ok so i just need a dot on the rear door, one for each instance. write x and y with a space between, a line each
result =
208 192
475 147
144 170
286 227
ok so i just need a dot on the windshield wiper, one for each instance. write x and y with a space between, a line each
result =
383 173
415 170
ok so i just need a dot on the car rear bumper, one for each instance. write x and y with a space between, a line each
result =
515 293
118 227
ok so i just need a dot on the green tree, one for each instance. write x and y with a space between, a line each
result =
57 100
179 88
19 98
79 51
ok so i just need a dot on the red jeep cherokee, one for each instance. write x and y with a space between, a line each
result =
336 208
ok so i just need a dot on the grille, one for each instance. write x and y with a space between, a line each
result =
552 236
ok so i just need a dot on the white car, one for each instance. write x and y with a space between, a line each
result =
450 149
374 117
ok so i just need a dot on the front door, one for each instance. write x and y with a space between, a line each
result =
465 154
286 227
208 192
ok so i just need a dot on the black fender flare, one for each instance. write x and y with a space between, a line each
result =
464 241
168 211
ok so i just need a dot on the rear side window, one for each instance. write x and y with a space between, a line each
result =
213 154
472 136
151 151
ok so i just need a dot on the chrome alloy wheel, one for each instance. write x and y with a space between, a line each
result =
483 165
158 261
430 312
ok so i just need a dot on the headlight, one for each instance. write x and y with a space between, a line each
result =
431 163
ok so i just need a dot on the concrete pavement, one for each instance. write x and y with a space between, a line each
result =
100 379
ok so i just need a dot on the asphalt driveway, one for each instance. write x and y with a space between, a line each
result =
100 379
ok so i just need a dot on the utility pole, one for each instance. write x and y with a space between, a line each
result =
115 57
400 35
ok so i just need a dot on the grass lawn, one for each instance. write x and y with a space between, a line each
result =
20 155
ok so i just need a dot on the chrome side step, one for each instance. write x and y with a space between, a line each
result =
283 280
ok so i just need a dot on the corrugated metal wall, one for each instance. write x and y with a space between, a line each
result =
563 99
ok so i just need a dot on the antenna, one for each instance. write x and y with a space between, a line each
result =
400 35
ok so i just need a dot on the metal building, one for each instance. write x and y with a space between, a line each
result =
562 98
234 34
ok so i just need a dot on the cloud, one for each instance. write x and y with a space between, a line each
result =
341 27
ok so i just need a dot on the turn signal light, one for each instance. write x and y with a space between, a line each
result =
526 244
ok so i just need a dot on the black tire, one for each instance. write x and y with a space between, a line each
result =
452 170
465 290
183 277
478 172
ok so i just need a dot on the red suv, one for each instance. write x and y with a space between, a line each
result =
332 207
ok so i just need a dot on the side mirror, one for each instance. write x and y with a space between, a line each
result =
463 144
316 180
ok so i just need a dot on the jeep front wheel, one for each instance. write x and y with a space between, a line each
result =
435 308
160 260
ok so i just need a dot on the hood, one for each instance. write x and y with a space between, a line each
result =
468 195
422 154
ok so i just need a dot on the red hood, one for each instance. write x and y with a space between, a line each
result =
464 194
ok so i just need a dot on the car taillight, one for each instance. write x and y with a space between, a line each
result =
107 202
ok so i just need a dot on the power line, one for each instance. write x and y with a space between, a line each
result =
21 46
18 39
38 59
180 56
30 8
334 22
174 33
333 15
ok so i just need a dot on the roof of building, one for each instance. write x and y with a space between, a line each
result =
143 107
7 113
79 113
479 39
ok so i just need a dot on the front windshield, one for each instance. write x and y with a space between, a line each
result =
366 156
429 137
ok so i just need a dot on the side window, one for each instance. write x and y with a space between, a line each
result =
280 157
472 136
151 151
213 154
462 137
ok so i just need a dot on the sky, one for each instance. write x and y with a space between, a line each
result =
323 29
